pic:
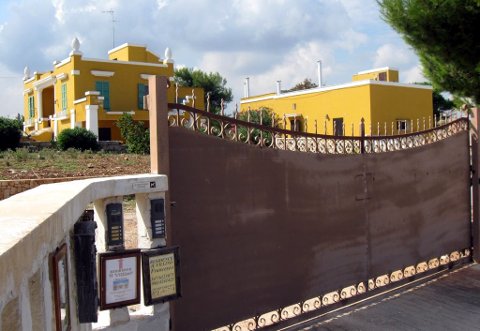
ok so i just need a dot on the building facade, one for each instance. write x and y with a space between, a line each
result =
95 93
387 106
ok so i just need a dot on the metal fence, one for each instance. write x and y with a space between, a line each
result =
231 128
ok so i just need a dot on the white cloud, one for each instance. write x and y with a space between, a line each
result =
266 40
11 92
390 55
413 75
59 10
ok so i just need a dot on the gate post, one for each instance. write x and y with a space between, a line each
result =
158 117
474 137
160 153
159 140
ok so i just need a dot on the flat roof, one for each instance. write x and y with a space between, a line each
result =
331 88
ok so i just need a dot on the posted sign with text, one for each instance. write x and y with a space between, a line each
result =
160 275
119 279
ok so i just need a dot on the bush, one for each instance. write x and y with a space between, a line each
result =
10 133
136 136
78 138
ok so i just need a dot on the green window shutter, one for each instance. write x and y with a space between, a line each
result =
31 106
142 91
64 96
104 89
106 95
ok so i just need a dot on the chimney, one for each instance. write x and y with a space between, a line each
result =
246 88
279 87
319 73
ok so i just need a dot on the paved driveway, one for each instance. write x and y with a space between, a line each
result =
450 302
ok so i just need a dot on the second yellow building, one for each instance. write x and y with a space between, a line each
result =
387 106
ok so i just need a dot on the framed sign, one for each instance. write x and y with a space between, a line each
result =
60 289
161 280
119 279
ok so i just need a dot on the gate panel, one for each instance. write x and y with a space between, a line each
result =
260 228
419 207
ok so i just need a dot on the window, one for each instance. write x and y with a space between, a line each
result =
142 91
402 126
296 125
104 88
338 126
64 96
382 76
31 106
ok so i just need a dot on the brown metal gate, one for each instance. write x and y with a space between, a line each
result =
273 225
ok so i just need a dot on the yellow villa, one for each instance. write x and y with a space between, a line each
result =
94 93
387 106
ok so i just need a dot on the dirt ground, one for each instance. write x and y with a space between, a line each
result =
48 163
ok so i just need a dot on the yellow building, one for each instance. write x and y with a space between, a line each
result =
94 93
387 106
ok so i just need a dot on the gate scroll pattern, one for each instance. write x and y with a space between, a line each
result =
324 301
274 137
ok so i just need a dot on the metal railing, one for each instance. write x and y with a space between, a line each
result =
234 129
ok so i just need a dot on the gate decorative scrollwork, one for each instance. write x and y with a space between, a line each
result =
266 319
232 129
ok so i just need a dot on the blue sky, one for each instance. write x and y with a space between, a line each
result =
266 40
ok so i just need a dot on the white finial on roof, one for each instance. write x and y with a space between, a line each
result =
26 73
168 56
75 47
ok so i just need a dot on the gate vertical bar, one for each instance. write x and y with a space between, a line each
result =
362 136
474 137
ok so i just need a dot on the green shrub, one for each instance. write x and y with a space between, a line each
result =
10 133
136 136
77 138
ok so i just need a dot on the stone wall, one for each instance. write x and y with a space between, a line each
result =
37 222
14 186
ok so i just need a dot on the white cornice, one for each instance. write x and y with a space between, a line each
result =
131 112
102 73
146 76
79 101
332 88
63 62
375 70
62 76
147 64
125 45
92 93
44 82
31 79
28 91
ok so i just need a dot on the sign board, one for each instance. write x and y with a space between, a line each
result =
119 279
161 281
60 289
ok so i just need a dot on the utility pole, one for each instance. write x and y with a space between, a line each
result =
112 13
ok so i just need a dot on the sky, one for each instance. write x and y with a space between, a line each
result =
265 40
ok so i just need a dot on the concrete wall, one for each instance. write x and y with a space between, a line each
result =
15 186
36 222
